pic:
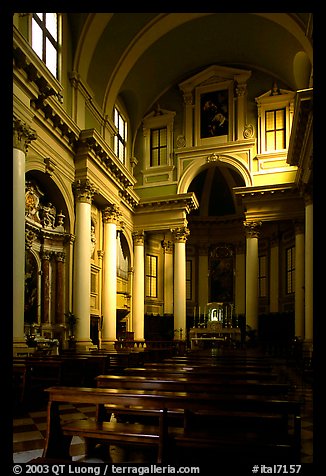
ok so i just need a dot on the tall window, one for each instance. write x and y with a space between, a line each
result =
262 276
275 129
158 147
189 279
120 140
151 276
45 39
290 270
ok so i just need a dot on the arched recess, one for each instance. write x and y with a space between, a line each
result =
203 163
47 235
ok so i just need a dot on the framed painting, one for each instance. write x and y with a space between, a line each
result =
214 114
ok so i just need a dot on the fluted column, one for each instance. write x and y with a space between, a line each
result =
84 192
240 280
299 280
252 233
111 216
274 275
60 286
22 136
168 276
203 276
180 238
309 267
138 295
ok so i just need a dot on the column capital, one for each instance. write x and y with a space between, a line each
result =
46 255
180 234
84 190
111 214
22 135
252 228
299 226
167 246
60 256
138 237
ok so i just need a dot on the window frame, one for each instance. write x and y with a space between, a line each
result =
290 270
263 276
47 35
159 148
120 142
275 129
150 278
189 279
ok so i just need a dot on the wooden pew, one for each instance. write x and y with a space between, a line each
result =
203 372
207 365
182 384
169 439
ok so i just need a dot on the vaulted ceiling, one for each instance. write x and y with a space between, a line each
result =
139 56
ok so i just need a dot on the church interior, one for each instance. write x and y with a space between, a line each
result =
163 216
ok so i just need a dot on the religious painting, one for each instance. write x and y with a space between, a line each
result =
214 114
221 274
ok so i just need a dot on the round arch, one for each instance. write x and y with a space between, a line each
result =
202 163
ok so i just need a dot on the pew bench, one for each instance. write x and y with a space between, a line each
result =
165 437
182 384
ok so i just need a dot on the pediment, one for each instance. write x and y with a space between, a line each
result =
213 75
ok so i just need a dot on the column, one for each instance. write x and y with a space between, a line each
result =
252 232
168 276
203 277
274 274
240 280
309 267
111 216
60 286
299 280
45 287
138 294
179 298
82 261
22 136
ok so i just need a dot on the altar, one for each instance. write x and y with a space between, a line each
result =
217 328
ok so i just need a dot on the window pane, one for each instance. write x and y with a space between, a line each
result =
37 43
280 119
155 138
269 120
270 136
51 24
154 160
162 156
51 57
280 143
163 136
40 15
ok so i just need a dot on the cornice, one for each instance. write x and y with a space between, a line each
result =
187 201
93 144
301 126
269 192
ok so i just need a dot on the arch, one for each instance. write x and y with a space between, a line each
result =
96 23
55 187
202 163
